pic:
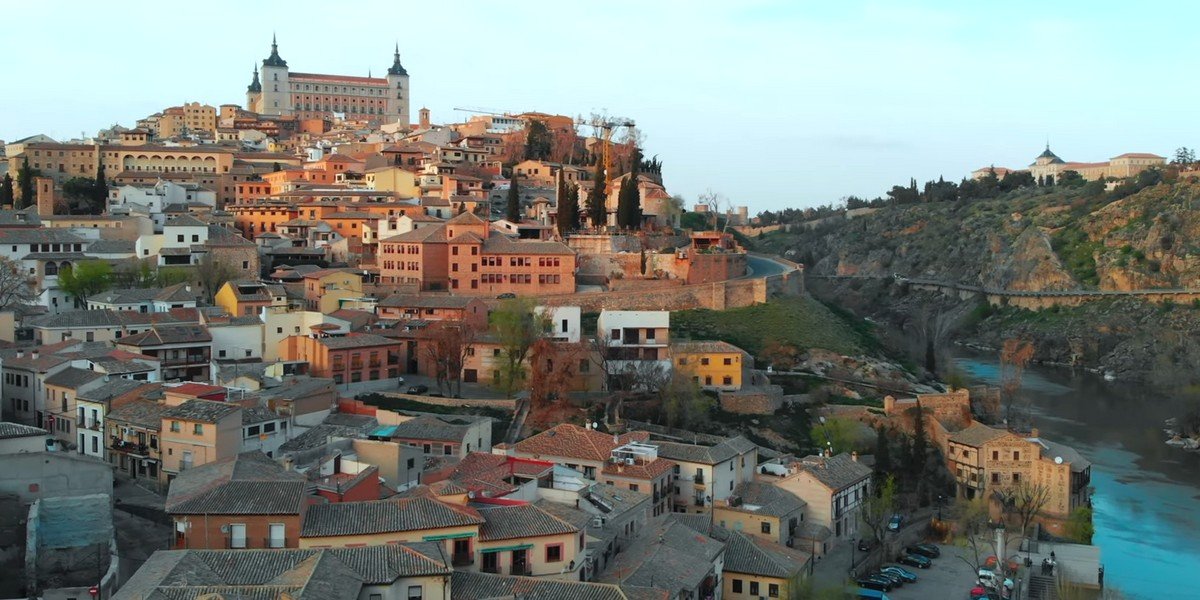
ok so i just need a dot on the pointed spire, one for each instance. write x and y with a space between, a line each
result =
274 59
254 86
397 68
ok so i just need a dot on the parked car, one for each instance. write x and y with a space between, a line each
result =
896 580
926 550
865 594
875 583
981 593
914 560
990 579
865 545
399 382
896 521
418 389
506 296
905 574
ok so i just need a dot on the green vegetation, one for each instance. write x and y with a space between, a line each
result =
800 322
85 279
512 207
1079 526
1078 254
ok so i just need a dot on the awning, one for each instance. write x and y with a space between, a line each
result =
507 548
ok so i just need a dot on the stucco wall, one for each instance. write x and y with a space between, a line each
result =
40 475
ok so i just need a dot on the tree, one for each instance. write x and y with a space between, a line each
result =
555 367
1071 178
1022 501
1015 355
99 192
883 456
512 209
1079 525
779 355
878 507
538 141
629 199
211 275
14 285
1184 156
568 206
450 343
78 195
7 194
1015 180
683 404
596 210
516 328
85 279
25 177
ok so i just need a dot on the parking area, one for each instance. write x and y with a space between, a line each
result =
949 577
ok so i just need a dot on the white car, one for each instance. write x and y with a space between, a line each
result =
992 580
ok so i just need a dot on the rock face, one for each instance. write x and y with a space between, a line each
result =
1039 240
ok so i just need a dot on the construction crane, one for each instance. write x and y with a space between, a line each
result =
481 111
606 125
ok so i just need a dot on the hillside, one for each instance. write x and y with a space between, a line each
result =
1035 239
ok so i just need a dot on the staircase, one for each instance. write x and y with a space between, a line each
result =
1042 587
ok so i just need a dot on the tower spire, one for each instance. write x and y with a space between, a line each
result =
274 59
397 68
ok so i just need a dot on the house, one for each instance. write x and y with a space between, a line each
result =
346 359
185 351
62 390
244 298
135 429
712 365
428 307
196 432
467 585
25 373
617 517
337 478
324 289
524 539
414 571
397 520
761 510
635 346
756 568
146 300
16 438
243 501
105 324
833 487
709 470
489 475
435 434
674 557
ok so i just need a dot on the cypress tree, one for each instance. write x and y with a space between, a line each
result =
6 190
595 209
568 207
100 192
25 182
512 211
629 213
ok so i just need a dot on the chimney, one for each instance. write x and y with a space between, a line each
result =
1033 432
20 354
45 196
854 456
33 355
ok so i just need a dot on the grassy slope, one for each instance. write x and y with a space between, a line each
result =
800 321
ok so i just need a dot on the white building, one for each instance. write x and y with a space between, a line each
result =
636 345
706 473
150 200
563 322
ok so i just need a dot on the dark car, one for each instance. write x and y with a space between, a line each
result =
896 580
506 296
914 560
895 522
418 389
866 545
875 583
926 550
902 573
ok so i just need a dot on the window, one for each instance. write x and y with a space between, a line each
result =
633 487
554 553
615 335
174 426
195 239
995 478
277 537
197 429
1016 455
737 586
728 361
448 450
766 527
704 361
773 590
1016 477
415 592
727 380
995 455
237 535
753 588
427 449
179 238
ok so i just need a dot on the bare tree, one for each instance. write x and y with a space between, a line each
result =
555 368
211 275
1022 501
1015 355
14 285
714 202
450 344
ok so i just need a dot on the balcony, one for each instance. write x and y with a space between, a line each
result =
131 447
190 359
490 568
462 559
698 478
93 424
374 363
356 365
521 570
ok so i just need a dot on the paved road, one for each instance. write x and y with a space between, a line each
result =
949 577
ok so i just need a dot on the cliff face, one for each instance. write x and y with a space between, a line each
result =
1033 240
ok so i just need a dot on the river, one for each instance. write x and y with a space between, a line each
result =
1147 495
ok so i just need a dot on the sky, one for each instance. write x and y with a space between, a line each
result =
771 104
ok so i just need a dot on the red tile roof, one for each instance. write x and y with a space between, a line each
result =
572 441
345 78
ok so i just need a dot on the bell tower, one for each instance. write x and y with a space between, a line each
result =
276 93
396 109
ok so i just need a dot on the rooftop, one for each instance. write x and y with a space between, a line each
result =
385 516
248 484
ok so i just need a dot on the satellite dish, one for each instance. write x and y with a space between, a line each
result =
1058 460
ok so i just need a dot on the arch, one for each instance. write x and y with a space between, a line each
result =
51 269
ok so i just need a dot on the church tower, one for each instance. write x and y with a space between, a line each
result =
253 93
396 109
276 93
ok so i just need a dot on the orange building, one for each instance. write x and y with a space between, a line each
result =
466 257
346 359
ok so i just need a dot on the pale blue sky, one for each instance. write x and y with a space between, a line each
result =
773 104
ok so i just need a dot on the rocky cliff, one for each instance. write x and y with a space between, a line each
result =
1031 240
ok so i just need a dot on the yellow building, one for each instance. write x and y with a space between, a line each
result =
197 432
248 298
394 179
755 568
761 510
713 365
325 289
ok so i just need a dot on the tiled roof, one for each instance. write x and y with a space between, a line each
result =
520 521
1052 450
835 472
1138 155
749 555
185 221
493 474
766 499
566 513
447 428
670 556
420 234
244 575
425 301
465 585
708 455
572 441
650 470
498 244
385 516
203 411
246 484
39 235
977 435
73 377
108 317
160 335
356 340
111 247
117 387
143 413
704 346
9 430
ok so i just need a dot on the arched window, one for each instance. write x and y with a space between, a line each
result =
51 269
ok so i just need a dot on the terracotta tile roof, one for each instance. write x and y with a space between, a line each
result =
1139 155
385 516
465 585
73 377
143 413
766 499
356 340
705 454
425 301
376 81
202 411
574 442
520 521
976 435
9 430
704 346
494 474
650 470
750 555
502 245
160 335
257 574
246 484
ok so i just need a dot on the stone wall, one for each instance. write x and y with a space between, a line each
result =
761 400
500 403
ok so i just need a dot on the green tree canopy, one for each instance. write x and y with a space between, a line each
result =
85 279
538 141
516 328
512 209
7 193
596 211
